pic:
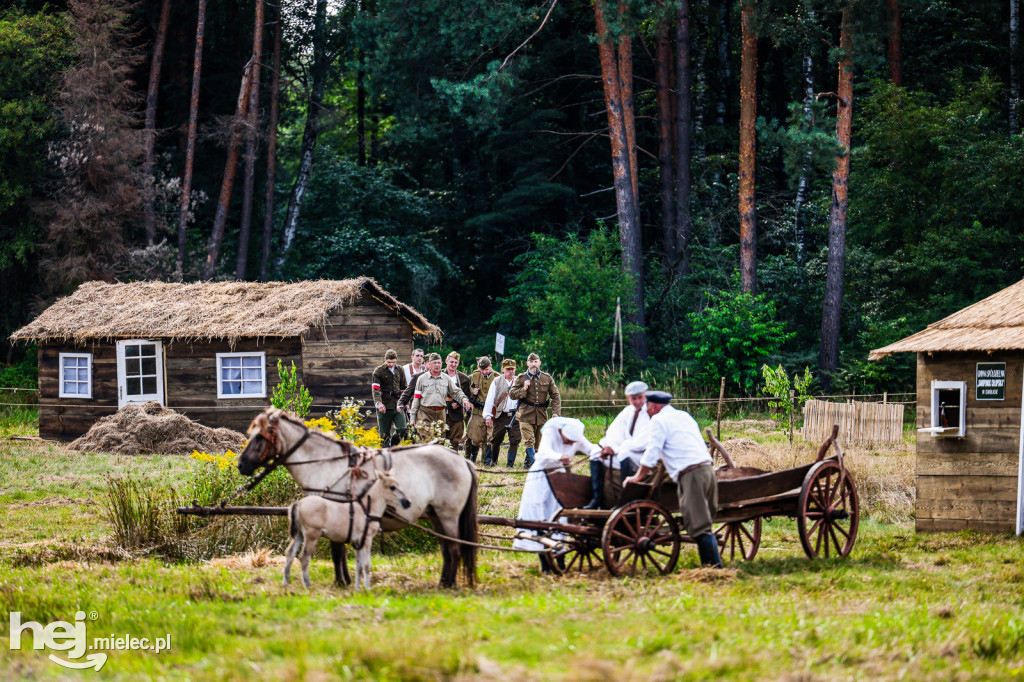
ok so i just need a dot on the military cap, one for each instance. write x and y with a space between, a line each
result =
659 397
391 354
636 388
453 354
432 357
484 362
508 362
532 356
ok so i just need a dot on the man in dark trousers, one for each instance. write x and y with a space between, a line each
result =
535 390
674 439
386 385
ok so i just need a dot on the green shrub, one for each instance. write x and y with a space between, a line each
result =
289 394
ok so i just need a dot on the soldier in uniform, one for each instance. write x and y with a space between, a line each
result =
674 439
478 432
535 390
500 413
386 385
455 416
433 390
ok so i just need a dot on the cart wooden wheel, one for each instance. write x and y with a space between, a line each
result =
640 537
740 538
582 553
828 511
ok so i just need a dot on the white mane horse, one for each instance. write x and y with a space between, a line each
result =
439 484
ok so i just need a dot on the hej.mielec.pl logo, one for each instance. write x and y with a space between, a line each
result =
71 637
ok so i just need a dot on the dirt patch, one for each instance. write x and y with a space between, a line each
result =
151 428
55 502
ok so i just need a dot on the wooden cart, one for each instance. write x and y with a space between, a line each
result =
642 533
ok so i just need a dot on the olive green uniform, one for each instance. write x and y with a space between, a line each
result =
429 399
386 386
533 404
455 414
476 432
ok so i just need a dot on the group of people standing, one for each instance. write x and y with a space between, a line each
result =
478 411
646 433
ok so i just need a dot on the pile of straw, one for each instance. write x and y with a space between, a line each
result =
151 428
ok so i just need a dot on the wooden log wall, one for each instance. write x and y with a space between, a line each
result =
68 418
859 422
337 360
969 482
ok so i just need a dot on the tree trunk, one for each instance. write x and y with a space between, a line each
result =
804 185
152 93
683 225
629 216
251 142
831 314
268 200
227 185
625 50
1014 68
190 145
748 142
894 46
666 141
309 134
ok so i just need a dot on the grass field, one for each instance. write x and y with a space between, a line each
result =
942 606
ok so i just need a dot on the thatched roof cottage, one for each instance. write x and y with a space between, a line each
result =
970 382
210 349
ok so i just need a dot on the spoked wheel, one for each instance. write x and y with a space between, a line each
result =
828 511
640 538
740 539
582 553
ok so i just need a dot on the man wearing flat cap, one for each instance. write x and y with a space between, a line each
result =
674 439
386 385
535 390
621 448
500 413
433 390
455 416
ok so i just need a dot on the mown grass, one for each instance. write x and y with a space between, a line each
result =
940 606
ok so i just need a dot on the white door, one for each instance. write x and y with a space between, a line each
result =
140 372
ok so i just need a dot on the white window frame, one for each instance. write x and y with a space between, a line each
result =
122 398
88 394
950 431
241 396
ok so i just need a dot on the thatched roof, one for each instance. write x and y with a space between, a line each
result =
991 324
206 310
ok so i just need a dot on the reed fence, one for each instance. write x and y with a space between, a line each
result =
859 422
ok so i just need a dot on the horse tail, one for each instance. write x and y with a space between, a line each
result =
293 521
469 530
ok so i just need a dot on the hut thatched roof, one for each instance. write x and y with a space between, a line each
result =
206 310
991 324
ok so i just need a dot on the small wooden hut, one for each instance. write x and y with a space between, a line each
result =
970 382
210 349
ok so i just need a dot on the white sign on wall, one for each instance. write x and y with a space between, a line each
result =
499 344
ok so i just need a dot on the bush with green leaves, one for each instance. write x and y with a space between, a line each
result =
777 384
733 336
290 394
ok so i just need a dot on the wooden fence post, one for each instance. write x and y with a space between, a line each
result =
721 397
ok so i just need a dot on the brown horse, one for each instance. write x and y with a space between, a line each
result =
439 484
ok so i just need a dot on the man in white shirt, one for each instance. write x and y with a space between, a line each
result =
622 445
414 367
500 413
674 439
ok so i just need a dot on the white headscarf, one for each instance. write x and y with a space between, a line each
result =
572 429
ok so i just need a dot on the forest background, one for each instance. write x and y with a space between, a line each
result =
518 167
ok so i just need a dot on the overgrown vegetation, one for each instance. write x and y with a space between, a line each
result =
290 394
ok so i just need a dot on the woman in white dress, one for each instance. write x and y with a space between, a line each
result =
561 438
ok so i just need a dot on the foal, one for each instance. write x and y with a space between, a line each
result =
341 522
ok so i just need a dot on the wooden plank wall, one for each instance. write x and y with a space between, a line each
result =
969 482
337 361
68 418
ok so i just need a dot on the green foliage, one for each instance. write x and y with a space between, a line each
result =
733 335
289 394
562 305
778 385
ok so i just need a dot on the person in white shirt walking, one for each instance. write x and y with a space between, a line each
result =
622 445
414 367
674 439
500 414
